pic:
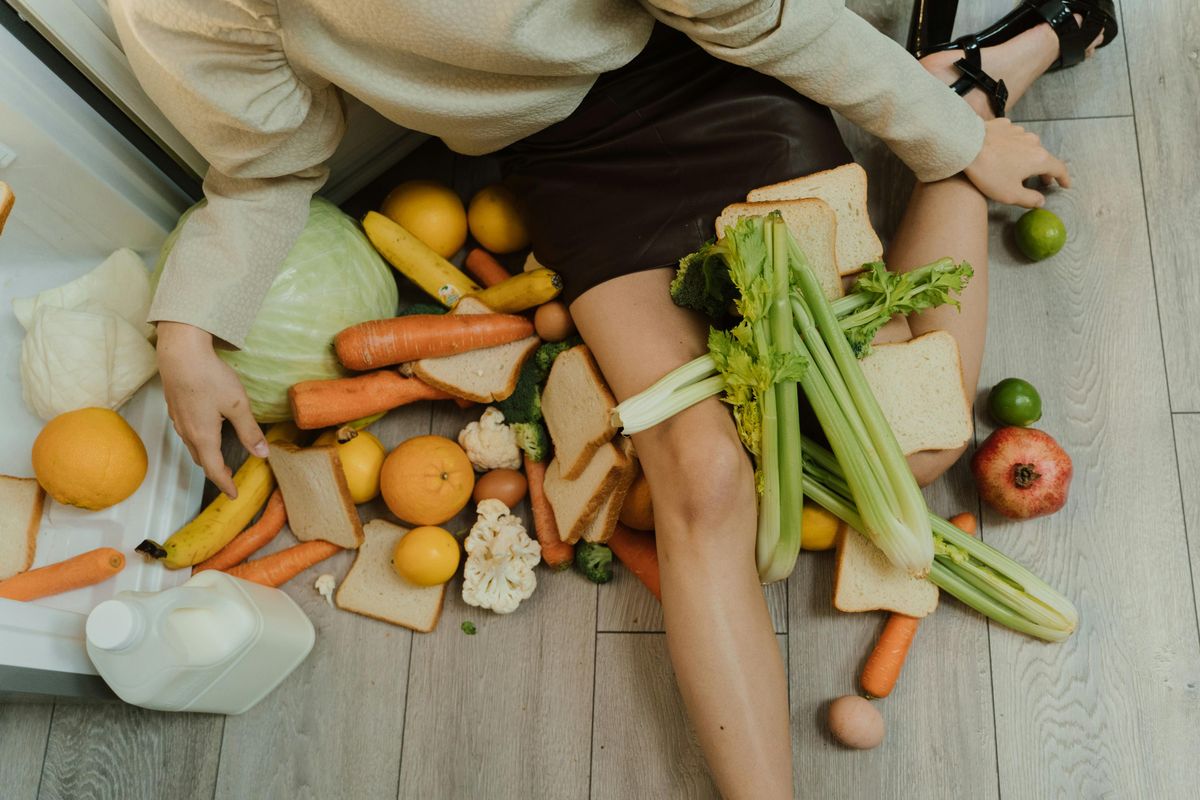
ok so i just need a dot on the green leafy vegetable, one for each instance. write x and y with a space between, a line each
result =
330 280
468 628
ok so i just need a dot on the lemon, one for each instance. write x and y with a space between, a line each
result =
1040 234
818 528
426 556
431 212
89 458
362 460
495 221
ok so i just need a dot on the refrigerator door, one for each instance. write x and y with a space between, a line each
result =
83 31
82 191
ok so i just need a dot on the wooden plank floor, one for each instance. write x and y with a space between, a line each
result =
573 696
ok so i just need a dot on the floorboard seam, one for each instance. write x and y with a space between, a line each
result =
220 752
1074 119
412 643
1162 344
46 751
1137 143
595 661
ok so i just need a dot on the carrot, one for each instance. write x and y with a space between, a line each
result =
463 403
382 342
322 404
84 569
883 666
485 267
280 567
251 540
555 552
639 553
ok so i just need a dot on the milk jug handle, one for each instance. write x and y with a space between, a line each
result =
191 597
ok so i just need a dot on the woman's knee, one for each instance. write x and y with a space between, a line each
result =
701 479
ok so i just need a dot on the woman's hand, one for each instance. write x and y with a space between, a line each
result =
1010 156
201 391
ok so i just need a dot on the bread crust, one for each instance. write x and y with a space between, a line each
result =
616 499
420 370
7 200
592 445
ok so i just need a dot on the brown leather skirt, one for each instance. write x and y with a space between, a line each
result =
634 178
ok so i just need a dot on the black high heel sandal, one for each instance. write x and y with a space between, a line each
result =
934 17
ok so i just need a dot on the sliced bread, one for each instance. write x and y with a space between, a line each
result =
919 387
314 490
577 406
482 376
577 502
604 524
844 188
7 199
21 501
865 580
813 225
372 587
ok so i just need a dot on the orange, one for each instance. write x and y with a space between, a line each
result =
818 528
427 480
495 221
431 212
89 458
637 511
426 556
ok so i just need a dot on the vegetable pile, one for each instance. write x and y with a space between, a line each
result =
786 333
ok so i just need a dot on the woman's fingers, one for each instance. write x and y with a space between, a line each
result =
1056 169
1029 198
246 427
208 455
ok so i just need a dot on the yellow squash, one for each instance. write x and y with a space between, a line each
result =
223 519
521 291
413 259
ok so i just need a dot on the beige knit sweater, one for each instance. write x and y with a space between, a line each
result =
254 86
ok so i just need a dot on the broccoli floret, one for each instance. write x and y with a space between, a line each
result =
545 355
594 560
525 403
702 282
534 439
421 308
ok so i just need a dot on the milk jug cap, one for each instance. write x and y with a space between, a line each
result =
114 625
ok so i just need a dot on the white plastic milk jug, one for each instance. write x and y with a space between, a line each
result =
216 643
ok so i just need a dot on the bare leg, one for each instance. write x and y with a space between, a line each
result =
719 633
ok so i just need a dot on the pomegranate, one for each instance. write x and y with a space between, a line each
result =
1022 472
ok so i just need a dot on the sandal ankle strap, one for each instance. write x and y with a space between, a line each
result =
973 76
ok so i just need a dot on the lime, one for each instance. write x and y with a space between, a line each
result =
1013 401
1040 234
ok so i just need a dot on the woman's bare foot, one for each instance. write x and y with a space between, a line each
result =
1018 62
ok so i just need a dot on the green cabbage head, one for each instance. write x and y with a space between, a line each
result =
331 279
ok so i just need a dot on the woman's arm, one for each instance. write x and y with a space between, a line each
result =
219 73
833 56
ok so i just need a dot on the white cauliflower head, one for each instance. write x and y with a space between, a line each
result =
490 444
499 572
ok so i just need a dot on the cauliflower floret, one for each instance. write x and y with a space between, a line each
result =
500 559
490 444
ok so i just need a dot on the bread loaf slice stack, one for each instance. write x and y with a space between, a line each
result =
813 225
591 472
844 188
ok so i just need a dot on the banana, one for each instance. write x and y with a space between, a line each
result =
223 519
413 259
521 291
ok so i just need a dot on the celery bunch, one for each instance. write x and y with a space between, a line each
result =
788 332
976 573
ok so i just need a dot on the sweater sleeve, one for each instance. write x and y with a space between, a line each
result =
218 71
830 54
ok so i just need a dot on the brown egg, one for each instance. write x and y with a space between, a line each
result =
855 722
506 485
553 322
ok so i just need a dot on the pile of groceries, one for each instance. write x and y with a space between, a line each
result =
796 290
